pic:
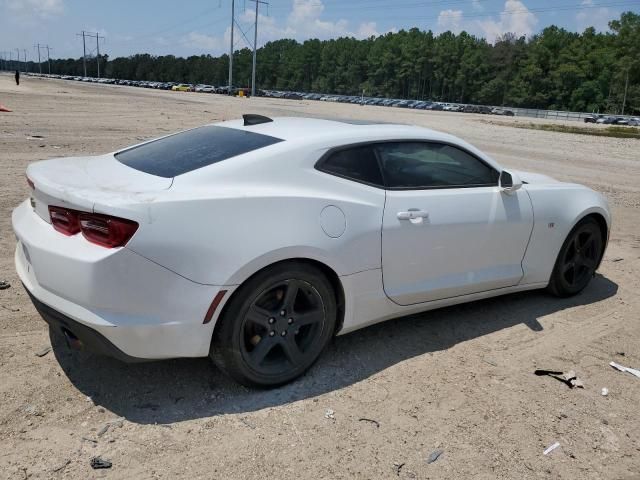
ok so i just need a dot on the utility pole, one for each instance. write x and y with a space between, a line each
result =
98 53
84 52
18 64
233 5
48 57
255 47
26 67
39 64
626 86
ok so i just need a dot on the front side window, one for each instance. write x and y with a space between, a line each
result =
432 165
356 163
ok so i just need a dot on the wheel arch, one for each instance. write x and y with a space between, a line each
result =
603 224
328 271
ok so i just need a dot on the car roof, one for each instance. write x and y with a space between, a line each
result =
307 129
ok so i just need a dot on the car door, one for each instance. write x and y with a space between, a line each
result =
448 228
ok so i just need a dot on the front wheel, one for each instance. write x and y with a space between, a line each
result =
578 259
275 326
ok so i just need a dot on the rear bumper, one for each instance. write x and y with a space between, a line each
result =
142 309
79 336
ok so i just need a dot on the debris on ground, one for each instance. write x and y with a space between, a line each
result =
329 414
605 391
4 109
370 420
4 285
622 368
87 439
42 352
435 455
61 466
247 423
397 467
617 259
97 462
551 448
569 378
118 422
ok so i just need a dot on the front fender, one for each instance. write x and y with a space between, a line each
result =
557 209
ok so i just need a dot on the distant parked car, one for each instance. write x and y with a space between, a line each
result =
606 120
592 118
634 122
502 111
182 87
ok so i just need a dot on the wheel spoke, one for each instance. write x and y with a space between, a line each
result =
590 263
259 316
262 350
568 266
314 316
291 350
290 296
588 243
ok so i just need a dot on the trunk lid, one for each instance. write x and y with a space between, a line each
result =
82 182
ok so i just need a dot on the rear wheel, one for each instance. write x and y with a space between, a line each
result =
276 325
578 259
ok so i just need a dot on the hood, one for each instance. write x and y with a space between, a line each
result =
531 177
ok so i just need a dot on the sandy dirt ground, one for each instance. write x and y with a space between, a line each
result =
459 379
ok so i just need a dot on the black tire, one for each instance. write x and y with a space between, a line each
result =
578 259
276 325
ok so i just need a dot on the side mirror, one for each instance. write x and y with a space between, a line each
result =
509 181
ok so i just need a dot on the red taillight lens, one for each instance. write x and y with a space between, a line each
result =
64 220
103 230
106 231
31 185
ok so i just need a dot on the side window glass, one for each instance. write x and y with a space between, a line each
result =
432 165
357 163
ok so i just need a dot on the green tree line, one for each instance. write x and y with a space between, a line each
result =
555 69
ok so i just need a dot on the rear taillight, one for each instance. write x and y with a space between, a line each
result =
107 231
103 230
64 220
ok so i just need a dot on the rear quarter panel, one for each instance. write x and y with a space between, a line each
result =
221 235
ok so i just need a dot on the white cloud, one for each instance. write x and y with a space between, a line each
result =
450 20
40 8
515 18
594 17
202 41
366 30
477 5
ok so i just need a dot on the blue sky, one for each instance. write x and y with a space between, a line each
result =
202 26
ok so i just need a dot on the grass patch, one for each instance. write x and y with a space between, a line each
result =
610 131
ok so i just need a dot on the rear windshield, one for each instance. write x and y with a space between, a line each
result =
193 149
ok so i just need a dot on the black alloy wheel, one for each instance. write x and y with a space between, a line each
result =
276 325
578 259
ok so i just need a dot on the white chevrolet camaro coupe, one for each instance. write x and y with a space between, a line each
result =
255 241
